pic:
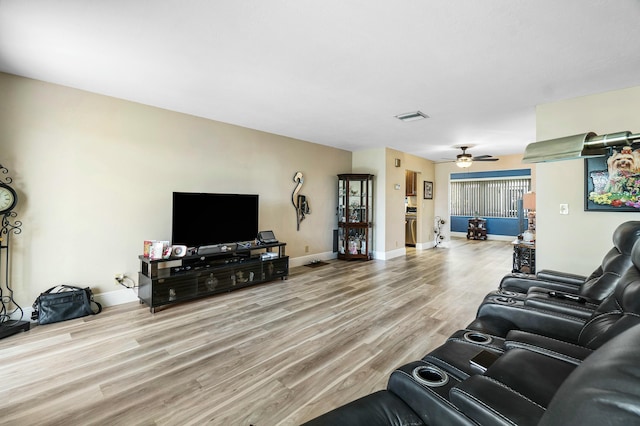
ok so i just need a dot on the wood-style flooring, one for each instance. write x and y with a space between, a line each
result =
279 353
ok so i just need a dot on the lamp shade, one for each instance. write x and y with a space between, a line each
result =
529 201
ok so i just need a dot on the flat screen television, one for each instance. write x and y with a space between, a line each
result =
201 219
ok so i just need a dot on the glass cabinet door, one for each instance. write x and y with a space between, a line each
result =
355 216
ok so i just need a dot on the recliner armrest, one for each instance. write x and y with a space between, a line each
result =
498 319
379 408
521 283
489 402
514 390
563 295
430 403
554 348
563 277
561 302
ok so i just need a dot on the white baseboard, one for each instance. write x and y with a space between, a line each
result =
489 236
390 254
425 246
116 297
304 260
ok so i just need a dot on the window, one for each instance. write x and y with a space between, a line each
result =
489 197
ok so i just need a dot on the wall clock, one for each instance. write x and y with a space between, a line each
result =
8 198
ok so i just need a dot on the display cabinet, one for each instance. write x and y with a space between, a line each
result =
477 229
355 216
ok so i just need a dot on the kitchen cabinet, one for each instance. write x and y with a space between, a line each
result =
411 184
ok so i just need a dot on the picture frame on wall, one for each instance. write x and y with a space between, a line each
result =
428 190
612 182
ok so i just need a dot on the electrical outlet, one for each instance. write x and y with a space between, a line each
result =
564 208
118 278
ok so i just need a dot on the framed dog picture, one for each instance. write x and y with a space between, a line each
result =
612 182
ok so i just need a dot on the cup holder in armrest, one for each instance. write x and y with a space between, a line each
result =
477 337
505 300
507 293
431 376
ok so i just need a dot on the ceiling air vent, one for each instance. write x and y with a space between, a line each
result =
412 116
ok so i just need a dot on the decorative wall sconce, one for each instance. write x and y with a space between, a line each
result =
300 202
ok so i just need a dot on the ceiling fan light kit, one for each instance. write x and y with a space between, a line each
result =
465 160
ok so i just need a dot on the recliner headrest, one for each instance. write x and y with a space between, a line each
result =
625 235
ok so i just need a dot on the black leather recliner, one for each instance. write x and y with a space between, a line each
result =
562 319
531 368
604 389
564 294
592 363
502 326
596 286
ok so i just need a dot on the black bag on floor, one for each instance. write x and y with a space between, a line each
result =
64 302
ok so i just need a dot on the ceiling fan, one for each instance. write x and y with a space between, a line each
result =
465 160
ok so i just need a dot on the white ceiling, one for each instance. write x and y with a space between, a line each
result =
336 72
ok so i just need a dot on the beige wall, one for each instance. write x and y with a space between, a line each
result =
426 172
444 171
389 210
372 162
576 242
95 176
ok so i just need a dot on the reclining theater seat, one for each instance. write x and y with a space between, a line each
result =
532 367
596 369
602 390
619 312
568 299
498 319
535 379
595 287
527 382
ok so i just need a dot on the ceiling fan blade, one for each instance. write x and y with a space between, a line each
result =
485 159
482 156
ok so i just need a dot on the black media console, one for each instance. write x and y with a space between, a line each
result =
174 280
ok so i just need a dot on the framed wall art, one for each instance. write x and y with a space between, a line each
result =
428 190
612 182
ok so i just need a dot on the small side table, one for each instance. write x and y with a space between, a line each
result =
524 257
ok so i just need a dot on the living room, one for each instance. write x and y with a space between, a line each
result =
95 175
79 159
